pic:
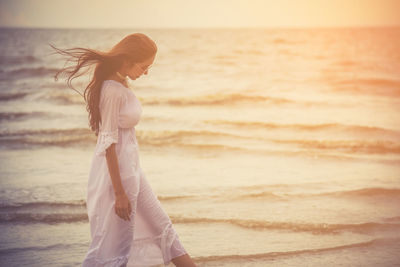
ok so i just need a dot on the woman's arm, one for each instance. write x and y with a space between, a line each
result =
112 163
123 206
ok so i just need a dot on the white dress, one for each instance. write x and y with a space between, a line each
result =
149 238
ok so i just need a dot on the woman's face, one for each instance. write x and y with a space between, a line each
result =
138 69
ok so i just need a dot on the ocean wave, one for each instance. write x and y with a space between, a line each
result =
5 116
8 251
62 141
222 196
12 96
71 132
274 255
64 99
199 100
74 216
178 197
43 218
374 86
146 137
372 81
176 137
41 204
367 146
392 219
48 137
247 52
229 195
235 194
358 129
76 212
44 212
214 99
179 137
284 41
62 137
348 146
191 140
364 192
14 60
29 72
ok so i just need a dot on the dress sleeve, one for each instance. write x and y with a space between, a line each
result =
110 104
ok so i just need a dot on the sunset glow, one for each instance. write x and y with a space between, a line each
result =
204 14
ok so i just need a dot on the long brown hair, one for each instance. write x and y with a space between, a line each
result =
134 48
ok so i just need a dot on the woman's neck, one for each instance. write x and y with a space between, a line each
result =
116 78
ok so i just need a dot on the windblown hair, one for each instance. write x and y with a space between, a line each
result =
133 48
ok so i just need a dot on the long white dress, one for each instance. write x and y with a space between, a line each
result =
149 238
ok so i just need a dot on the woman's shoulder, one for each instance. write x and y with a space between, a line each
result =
112 88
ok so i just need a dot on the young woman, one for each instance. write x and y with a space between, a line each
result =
127 223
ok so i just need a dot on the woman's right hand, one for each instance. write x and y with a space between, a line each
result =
123 206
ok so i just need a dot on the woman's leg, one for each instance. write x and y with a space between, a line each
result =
150 208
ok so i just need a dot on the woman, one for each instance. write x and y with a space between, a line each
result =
127 223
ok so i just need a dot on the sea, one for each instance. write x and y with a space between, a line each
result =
265 146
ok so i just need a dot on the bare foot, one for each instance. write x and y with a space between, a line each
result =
183 261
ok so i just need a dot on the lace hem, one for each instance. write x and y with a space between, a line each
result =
105 139
170 244
114 262
156 250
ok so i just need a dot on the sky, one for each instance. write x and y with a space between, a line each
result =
198 14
